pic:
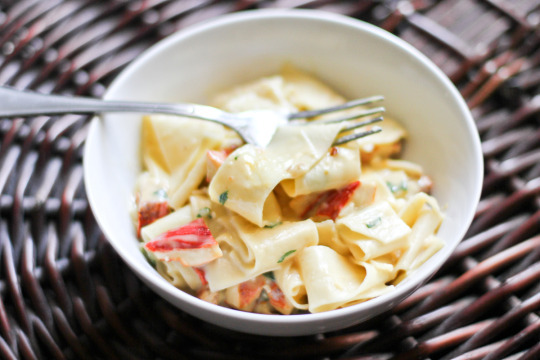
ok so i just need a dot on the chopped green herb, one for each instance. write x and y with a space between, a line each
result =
264 296
397 188
160 193
236 157
149 258
271 226
205 212
374 222
269 275
404 185
223 197
282 258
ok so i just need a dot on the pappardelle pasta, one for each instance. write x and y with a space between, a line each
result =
299 226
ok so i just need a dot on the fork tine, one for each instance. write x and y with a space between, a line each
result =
356 116
345 139
362 123
344 106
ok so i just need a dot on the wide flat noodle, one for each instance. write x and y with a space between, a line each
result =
292 90
364 248
425 218
177 146
258 250
373 231
415 205
334 281
291 283
179 275
328 236
382 143
263 94
335 170
378 222
248 175
306 92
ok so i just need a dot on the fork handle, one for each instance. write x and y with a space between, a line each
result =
25 103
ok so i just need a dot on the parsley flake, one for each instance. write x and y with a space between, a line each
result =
374 222
269 275
205 212
160 193
397 188
273 225
223 197
150 258
264 296
282 258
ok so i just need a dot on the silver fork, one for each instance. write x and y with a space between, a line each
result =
256 127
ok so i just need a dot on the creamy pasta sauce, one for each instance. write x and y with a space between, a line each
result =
299 226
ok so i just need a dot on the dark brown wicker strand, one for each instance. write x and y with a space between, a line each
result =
65 293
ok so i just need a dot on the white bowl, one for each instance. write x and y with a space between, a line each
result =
355 58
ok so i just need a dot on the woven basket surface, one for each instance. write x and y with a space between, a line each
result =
65 294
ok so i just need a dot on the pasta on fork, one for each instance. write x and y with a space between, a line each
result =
301 225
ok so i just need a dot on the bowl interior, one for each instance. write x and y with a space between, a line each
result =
357 60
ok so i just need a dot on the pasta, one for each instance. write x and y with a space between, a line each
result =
299 226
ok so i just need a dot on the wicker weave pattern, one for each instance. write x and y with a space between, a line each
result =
65 294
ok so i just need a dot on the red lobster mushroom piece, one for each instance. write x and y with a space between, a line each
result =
277 299
244 296
329 203
150 212
191 245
